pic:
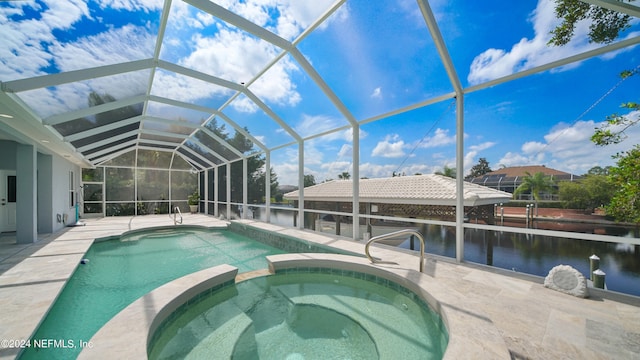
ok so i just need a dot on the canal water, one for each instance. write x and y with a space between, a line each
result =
531 254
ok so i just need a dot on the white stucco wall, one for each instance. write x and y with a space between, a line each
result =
60 195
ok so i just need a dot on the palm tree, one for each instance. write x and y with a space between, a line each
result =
535 184
344 176
448 172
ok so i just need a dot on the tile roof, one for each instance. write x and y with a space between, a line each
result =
514 171
418 189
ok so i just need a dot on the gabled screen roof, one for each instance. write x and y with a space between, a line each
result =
105 77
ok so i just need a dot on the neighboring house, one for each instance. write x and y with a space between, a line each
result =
508 179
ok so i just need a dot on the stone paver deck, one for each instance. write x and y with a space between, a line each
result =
535 322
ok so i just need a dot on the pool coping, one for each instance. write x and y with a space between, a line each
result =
468 334
33 275
125 336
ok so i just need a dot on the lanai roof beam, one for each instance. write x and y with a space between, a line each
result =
90 111
100 129
38 82
110 140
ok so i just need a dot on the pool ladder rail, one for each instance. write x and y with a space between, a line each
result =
176 212
392 235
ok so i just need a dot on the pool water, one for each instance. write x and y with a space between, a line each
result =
120 271
303 316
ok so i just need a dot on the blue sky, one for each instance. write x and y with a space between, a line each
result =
376 56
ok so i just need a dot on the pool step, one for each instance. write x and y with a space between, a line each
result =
220 343
386 323
212 333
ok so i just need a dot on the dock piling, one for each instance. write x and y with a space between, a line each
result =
594 264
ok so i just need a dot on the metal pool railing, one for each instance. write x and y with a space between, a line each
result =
391 236
176 212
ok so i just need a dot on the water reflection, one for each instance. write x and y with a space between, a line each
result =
532 254
536 254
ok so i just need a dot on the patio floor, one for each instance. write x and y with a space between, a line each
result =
535 322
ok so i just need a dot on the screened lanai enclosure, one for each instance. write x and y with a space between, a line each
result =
147 102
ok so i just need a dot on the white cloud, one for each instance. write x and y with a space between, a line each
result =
110 47
24 50
569 148
293 16
377 93
230 55
237 57
331 170
345 150
182 88
529 53
371 170
391 147
206 19
287 173
132 5
315 124
440 138
532 147
483 146
62 14
73 96
469 158
347 135
276 86
261 138
516 159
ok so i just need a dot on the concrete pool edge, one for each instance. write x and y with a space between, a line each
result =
468 333
140 319
156 228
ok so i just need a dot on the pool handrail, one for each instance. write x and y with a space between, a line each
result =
393 235
176 211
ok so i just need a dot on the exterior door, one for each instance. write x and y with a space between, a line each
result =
7 201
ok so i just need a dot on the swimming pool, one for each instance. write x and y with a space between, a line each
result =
120 271
317 313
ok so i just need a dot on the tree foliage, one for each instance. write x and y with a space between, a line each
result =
625 177
256 172
309 180
344 176
535 184
613 130
604 27
479 169
447 171
589 193
599 170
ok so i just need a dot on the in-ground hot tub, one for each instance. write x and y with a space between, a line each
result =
149 321
303 313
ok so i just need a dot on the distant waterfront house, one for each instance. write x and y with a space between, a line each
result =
508 179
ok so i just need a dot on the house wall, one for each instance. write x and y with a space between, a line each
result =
8 158
52 187
60 198
45 191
